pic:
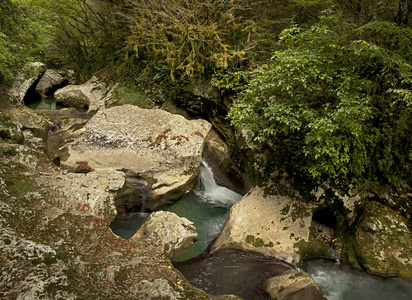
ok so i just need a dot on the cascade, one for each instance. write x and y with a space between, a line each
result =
206 182
209 191
207 206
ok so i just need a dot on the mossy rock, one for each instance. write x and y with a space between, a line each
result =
383 242
315 248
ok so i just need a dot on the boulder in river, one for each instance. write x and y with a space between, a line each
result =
293 284
89 95
25 79
272 225
383 241
159 152
50 81
168 232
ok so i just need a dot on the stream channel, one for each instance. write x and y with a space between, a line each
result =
235 272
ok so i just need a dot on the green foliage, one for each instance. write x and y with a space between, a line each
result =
190 36
332 105
13 37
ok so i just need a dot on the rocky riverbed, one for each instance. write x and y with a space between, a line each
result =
65 175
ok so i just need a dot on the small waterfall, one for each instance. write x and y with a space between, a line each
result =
206 182
209 191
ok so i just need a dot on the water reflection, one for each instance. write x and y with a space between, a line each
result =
232 272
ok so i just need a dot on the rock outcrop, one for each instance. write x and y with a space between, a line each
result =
89 95
171 234
50 81
383 241
293 284
52 249
25 79
91 194
272 225
159 152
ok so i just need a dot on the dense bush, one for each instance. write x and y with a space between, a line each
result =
334 104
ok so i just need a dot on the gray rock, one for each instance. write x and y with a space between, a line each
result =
272 225
293 284
159 288
168 232
159 152
90 194
50 80
89 95
25 79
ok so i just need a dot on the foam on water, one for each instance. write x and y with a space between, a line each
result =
343 283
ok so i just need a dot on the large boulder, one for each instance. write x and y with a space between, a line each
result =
169 233
160 153
89 95
383 241
272 225
50 81
291 285
25 79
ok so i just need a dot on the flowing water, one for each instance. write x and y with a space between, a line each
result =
207 206
340 282
233 272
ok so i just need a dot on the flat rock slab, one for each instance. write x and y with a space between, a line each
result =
88 194
272 225
159 152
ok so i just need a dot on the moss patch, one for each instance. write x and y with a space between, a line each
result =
299 244
257 242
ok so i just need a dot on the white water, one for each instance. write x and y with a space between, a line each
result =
343 283
209 191
207 206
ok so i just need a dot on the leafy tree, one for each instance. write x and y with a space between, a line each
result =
333 107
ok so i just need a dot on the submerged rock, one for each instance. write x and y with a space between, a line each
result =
160 153
171 234
293 284
383 241
272 225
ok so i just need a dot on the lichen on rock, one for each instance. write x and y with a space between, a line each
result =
168 232
159 152
272 225
383 242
